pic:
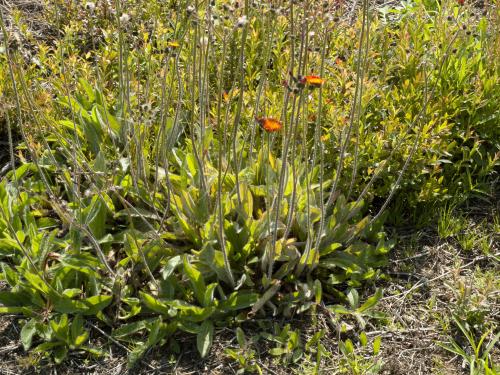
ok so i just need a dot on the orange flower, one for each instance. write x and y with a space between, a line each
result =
269 124
314 81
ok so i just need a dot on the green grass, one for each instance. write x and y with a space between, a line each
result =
148 197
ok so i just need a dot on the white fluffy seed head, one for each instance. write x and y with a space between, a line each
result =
90 6
124 18
242 21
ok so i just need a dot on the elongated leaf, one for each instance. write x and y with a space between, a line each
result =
238 301
88 306
266 296
376 345
37 282
27 333
136 354
7 245
196 279
240 337
208 297
15 298
370 302
339 309
129 329
154 304
205 337
170 267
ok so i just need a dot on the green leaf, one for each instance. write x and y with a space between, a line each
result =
84 263
15 310
177 307
136 354
376 345
277 351
363 339
17 299
208 297
330 249
317 291
94 351
100 163
170 267
370 302
239 300
37 282
61 328
106 120
353 298
95 217
129 329
87 306
7 245
154 304
266 296
78 334
196 279
349 346
60 353
93 135
339 309
137 212
341 260
205 337
9 275
155 331
240 337
314 340
27 333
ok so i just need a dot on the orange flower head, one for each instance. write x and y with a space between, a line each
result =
314 81
269 124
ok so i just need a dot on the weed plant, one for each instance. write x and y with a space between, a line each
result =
191 165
